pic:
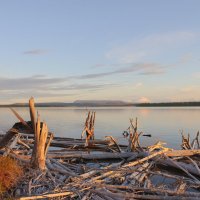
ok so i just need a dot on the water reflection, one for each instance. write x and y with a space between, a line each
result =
144 112
162 123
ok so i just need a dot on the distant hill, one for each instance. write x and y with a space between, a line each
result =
78 103
101 103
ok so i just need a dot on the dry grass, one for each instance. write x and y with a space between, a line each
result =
10 173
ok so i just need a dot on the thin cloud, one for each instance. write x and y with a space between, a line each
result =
138 50
82 87
51 87
36 52
46 88
93 75
141 68
29 82
153 71
65 84
42 84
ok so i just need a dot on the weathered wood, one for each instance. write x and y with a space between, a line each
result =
92 156
89 128
140 174
134 144
48 143
44 196
144 159
179 165
126 195
151 190
115 142
41 142
20 118
11 145
64 167
86 171
8 137
23 143
33 121
21 158
187 152
57 168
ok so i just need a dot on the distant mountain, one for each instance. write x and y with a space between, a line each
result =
101 103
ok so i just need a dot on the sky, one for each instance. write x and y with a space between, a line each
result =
130 50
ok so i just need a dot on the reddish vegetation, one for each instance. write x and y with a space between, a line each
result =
10 172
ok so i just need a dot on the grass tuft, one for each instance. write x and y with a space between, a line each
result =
10 173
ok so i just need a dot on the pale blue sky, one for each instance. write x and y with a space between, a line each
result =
132 50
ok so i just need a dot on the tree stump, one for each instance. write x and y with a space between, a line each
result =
41 142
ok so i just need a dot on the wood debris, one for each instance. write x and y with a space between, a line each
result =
90 168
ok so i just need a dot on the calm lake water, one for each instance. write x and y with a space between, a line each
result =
163 124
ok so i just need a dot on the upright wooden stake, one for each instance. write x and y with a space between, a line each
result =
89 128
134 136
33 120
41 135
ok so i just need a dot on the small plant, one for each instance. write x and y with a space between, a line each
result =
10 173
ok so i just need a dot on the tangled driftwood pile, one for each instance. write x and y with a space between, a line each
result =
66 168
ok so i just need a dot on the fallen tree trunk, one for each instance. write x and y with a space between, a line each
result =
91 156
125 195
